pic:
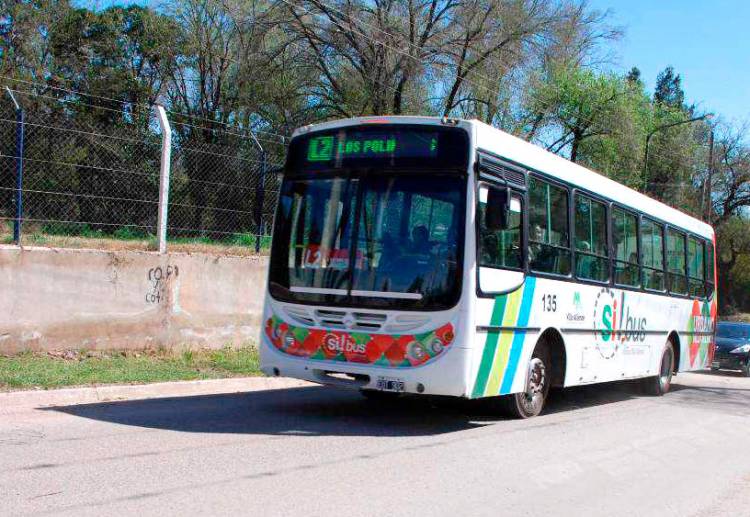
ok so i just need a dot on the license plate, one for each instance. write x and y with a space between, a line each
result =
390 384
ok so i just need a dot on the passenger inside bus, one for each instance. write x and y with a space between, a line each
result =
541 256
420 240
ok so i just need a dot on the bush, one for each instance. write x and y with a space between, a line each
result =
127 233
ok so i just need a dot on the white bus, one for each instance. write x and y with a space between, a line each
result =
446 257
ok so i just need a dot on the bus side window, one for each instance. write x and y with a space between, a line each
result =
499 247
625 238
696 269
652 255
549 235
592 258
709 269
676 262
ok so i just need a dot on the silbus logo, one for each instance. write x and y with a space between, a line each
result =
615 324
343 343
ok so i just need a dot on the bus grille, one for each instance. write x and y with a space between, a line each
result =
355 320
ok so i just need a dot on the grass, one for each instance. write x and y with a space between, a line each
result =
76 368
71 235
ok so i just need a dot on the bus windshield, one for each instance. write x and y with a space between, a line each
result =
370 238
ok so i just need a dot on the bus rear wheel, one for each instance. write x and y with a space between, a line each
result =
659 385
530 402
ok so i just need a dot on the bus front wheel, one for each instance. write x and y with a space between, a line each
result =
659 385
530 402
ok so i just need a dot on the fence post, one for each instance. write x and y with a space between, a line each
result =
166 162
19 169
261 194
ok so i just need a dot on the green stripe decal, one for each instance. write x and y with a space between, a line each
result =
488 355
519 337
503 344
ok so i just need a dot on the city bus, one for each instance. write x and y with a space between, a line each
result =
445 257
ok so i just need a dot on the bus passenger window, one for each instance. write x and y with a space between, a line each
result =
592 258
709 269
696 270
499 247
549 242
625 238
676 262
652 255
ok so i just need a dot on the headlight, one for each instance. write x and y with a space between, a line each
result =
744 349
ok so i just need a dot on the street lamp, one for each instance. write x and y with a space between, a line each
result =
706 194
656 130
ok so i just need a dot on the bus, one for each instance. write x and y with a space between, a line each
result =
445 257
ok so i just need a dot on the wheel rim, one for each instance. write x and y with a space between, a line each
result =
536 387
665 374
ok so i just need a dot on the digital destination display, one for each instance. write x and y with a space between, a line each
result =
359 144
420 147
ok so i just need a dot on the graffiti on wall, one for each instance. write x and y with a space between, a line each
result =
157 282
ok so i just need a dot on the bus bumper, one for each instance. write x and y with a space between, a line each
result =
443 376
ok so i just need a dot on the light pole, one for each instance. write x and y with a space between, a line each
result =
656 130
706 198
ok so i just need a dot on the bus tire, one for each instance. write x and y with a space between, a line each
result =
660 384
530 402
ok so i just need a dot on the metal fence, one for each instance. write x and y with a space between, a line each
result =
89 174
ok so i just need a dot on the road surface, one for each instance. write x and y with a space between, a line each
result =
601 450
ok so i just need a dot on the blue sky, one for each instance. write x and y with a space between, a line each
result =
707 42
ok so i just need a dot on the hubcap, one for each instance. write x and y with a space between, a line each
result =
535 386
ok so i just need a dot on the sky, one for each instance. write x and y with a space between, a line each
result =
706 41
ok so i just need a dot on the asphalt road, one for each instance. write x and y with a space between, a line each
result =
601 450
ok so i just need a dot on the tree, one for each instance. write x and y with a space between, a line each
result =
733 247
619 154
633 76
579 103
494 34
122 57
371 56
668 90
25 36
731 179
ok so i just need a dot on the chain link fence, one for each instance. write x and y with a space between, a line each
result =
91 177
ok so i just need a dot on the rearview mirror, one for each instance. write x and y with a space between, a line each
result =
496 212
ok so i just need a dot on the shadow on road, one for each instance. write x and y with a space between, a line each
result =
316 411
310 411
321 411
728 399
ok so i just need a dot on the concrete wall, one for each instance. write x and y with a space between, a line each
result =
59 299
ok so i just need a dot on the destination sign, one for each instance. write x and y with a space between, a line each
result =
397 144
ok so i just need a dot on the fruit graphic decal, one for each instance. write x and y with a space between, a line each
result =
355 347
700 326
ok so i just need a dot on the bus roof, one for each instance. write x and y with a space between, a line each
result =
534 157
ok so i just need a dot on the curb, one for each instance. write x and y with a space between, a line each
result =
20 400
